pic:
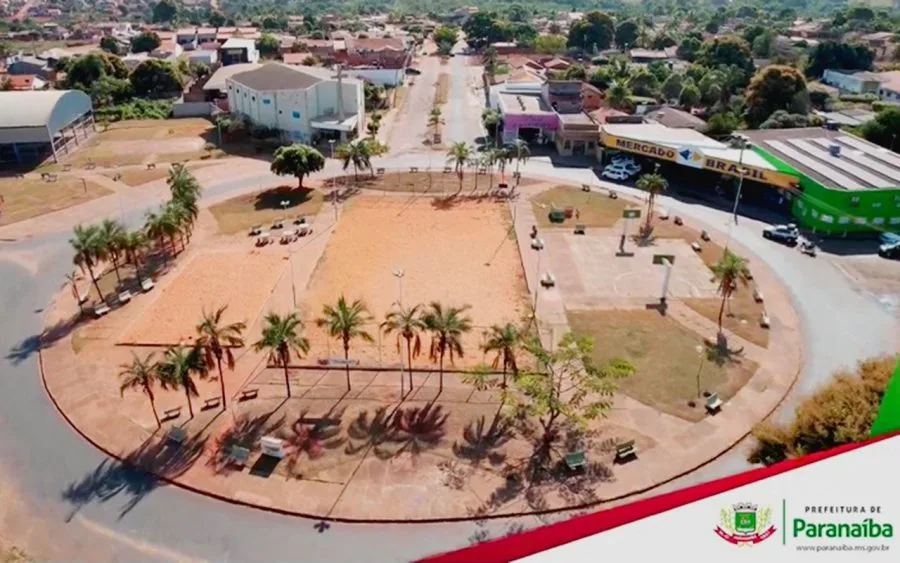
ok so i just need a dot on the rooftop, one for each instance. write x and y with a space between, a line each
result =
674 117
239 43
859 164
524 104
217 80
278 76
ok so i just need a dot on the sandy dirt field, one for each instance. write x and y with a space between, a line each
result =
443 254
242 280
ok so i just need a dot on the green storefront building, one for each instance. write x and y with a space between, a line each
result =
846 184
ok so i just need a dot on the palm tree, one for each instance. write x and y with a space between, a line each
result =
346 322
502 157
504 341
157 226
88 245
280 337
617 94
435 120
141 374
178 368
72 278
175 218
111 233
133 245
730 270
489 59
519 149
653 184
459 155
182 183
356 153
216 339
446 327
407 323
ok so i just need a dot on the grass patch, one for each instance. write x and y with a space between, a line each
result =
262 208
148 129
25 198
419 182
594 209
442 89
139 176
666 359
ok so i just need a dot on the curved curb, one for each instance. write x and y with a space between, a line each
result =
494 516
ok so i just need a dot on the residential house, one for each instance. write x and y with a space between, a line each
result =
23 82
889 87
860 82
591 97
238 50
675 118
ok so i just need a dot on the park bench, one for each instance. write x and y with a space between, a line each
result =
263 239
447 170
764 320
124 297
288 237
678 221
47 177
238 456
537 243
147 285
585 188
211 403
151 166
304 230
625 450
576 460
713 403
255 230
704 235
66 167
548 280
580 229
101 310
177 435
613 194
757 295
300 220
116 177
379 171
248 394
695 246
279 224
413 168
174 412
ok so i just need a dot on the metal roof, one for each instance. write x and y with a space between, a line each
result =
53 109
277 76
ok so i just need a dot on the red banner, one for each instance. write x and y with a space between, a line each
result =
751 538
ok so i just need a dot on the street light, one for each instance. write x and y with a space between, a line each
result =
737 198
399 275
699 349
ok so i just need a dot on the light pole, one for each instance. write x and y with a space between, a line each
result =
699 349
331 145
737 198
399 273
537 282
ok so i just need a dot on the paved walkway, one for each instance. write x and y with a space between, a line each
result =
670 446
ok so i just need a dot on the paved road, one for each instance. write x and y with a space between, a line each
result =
85 503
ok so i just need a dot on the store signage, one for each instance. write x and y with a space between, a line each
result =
689 156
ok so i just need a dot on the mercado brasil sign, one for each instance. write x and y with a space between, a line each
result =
688 156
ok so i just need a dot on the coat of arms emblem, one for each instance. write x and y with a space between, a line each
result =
745 524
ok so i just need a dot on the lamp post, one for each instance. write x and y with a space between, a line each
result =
699 349
399 273
331 145
737 198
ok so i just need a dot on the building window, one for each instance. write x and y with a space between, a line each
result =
843 220
826 219
894 221
859 221
876 204
878 221
267 101
295 114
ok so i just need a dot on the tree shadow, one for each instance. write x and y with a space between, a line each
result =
32 344
645 236
272 198
245 432
419 429
720 353
341 194
313 436
371 430
129 479
481 441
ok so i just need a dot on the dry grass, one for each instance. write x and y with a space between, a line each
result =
139 130
442 89
666 359
437 182
25 198
239 214
139 176
594 209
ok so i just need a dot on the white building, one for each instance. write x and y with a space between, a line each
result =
302 102
238 50
379 76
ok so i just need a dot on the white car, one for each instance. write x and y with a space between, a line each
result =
621 159
627 169
615 174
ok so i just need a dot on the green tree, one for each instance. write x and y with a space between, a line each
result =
133 245
178 369
884 129
671 88
575 72
550 44
773 88
216 19
459 155
141 374
108 90
346 322
297 160
445 34
484 28
626 34
156 79
644 83
356 153
594 31
728 272
145 42
165 11
217 338
490 59
518 149
111 233
617 95
281 337
446 325
838 56
268 45
89 247
110 45
688 49
654 184
722 124
726 51
503 342
690 96
407 323
491 118
83 72
569 387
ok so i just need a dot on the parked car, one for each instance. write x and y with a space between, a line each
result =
787 234
618 174
413 71
632 167
621 159
889 238
890 250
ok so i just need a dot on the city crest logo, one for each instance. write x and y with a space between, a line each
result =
745 524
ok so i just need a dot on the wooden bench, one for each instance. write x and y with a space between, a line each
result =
576 460
579 229
212 403
172 413
625 451
713 403
177 435
101 310
413 168
447 170
151 166
695 246
248 394
278 225
238 456
147 285
758 295
255 230
379 171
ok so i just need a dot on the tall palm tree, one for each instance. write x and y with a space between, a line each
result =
490 58
502 157
133 244
182 183
459 155
174 221
216 339
408 324
504 342
617 94
72 278
346 322
520 151
157 226
111 233
141 374
729 271
653 184
435 120
446 325
178 368
356 153
88 245
280 337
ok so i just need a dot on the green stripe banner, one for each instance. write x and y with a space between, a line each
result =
888 419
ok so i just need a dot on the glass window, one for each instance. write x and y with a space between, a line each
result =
878 221
827 219
843 220
859 221
894 221
266 101
295 114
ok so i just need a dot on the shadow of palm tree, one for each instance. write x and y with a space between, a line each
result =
719 353
30 346
314 436
369 430
481 441
130 478
419 429
244 432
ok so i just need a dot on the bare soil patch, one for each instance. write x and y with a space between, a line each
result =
263 208
442 89
24 198
436 182
593 209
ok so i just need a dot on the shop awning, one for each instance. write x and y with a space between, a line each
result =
332 123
